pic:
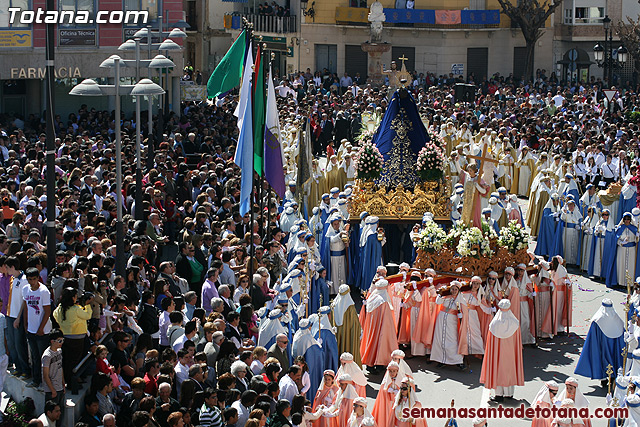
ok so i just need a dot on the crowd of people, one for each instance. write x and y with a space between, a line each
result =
195 331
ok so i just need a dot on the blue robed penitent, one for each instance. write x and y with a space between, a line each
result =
607 264
371 256
354 254
546 234
329 349
600 350
319 287
558 243
618 233
314 358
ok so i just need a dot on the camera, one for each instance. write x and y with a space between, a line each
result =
82 300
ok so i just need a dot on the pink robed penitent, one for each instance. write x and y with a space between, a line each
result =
426 318
502 364
378 331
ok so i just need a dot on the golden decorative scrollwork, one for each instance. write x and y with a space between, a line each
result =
399 203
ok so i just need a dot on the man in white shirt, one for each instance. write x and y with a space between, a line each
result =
345 82
558 99
182 367
244 405
190 330
37 304
609 171
51 414
288 386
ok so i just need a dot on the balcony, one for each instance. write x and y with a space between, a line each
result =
423 18
262 23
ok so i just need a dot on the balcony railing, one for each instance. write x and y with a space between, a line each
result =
426 18
263 23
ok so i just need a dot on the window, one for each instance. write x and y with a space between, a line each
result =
77 6
4 13
477 4
139 5
589 15
568 18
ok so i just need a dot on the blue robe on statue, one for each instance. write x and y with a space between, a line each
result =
400 137
609 249
601 350
371 256
546 233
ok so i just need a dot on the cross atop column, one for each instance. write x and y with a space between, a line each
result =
403 58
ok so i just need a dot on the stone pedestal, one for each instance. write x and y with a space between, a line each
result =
375 51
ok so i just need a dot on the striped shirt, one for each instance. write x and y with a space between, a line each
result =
210 416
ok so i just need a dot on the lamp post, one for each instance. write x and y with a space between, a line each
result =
167 45
89 87
604 54
138 63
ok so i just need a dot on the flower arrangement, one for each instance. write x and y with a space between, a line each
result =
369 125
456 231
473 243
488 230
430 164
514 237
18 414
368 161
431 238
365 135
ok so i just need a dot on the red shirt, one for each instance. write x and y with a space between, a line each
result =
330 151
151 386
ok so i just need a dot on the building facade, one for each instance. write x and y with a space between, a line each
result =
79 51
578 27
438 36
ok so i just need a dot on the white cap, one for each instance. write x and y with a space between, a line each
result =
504 304
304 323
347 357
345 377
380 284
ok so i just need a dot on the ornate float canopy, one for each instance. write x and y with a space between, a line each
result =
400 204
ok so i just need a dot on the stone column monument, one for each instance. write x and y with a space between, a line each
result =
376 47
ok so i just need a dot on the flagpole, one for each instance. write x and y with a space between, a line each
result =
260 177
252 250
268 223
267 231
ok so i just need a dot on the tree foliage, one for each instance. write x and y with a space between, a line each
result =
629 33
530 16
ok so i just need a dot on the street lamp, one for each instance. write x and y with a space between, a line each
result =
311 12
623 55
598 53
604 55
134 44
145 87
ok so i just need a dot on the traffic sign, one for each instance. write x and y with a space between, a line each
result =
609 93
